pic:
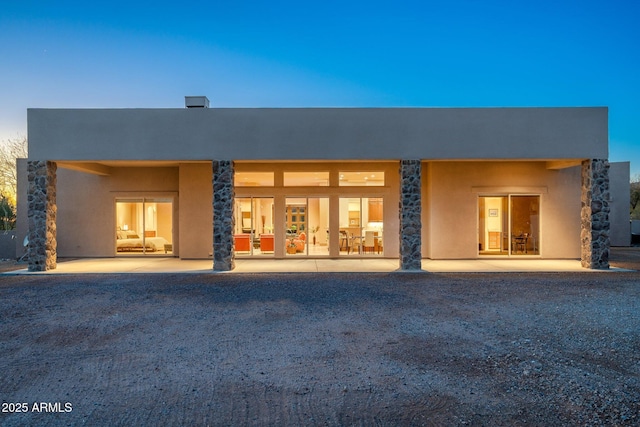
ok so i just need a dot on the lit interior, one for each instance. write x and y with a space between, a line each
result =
144 227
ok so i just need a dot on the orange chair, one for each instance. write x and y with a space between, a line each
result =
242 242
266 243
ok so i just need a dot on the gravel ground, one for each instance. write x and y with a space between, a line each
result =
322 349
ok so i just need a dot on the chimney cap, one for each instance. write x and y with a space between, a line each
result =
196 102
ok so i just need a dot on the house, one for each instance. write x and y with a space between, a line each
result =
405 183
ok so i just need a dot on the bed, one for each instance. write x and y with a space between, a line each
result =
130 241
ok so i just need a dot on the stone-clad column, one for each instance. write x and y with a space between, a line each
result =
410 215
42 215
223 220
595 214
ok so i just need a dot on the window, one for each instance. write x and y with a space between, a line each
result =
362 178
306 179
253 179
361 226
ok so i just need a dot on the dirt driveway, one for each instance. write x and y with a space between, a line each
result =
322 349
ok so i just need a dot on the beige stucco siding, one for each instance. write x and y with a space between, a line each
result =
22 221
619 178
86 205
466 153
450 216
317 133
196 211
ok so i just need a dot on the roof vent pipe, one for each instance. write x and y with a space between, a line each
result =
196 102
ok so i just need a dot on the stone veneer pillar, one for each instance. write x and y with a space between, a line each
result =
595 214
223 220
410 215
42 215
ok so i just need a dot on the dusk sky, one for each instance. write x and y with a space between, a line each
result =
127 54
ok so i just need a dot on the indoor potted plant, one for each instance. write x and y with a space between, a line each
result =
291 246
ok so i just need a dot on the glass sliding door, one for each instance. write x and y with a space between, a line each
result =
296 226
493 225
525 225
144 226
318 226
361 228
253 233
306 226
508 225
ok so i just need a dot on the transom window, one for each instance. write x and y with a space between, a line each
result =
253 179
306 179
362 178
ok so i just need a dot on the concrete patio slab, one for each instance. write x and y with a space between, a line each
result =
503 266
379 265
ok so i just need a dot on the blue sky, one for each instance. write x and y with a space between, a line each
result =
124 54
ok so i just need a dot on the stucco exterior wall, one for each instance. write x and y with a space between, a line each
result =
391 213
465 153
619 179
318 133
426 209
196 215
451 213
22 221
86 206
86 203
